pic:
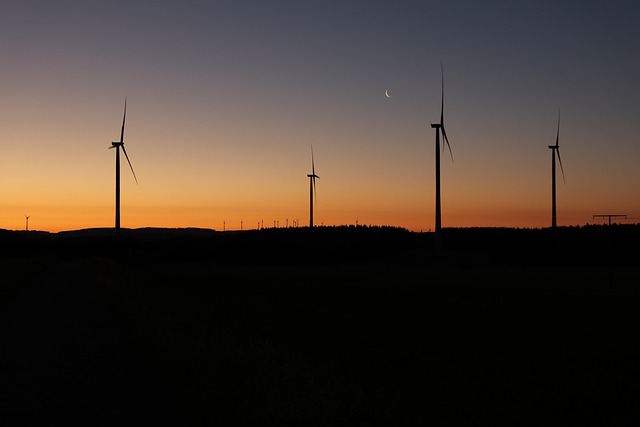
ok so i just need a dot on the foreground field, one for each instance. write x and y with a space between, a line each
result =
352 326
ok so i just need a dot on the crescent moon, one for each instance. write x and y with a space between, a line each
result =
386 93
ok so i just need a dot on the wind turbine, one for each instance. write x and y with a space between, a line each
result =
555 149
312 188
439 127
117 146
27 224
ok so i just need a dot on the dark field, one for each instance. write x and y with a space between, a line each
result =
325 327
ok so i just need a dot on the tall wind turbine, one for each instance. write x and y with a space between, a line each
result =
439 127
555 149
312 188
117 146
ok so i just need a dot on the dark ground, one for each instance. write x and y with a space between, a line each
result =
338 326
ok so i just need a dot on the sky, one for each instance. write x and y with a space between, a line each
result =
226 101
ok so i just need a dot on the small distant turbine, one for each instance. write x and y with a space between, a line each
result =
439 127
27 223
555 149
117 146
312 188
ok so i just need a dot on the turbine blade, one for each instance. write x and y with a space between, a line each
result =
313 165
442 97
123 120
558 132
315 194
444 134
125 154
560 161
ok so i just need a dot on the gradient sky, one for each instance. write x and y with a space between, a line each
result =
226 98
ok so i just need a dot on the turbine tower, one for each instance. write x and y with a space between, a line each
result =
312 188
117 146
439 127
555 149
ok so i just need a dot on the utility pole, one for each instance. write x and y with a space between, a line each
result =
609 216
609 253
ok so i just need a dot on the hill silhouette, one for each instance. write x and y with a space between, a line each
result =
547 248
323 326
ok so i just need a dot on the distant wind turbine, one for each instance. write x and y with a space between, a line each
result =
439 127
27 224
555 149
312 188
117 146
